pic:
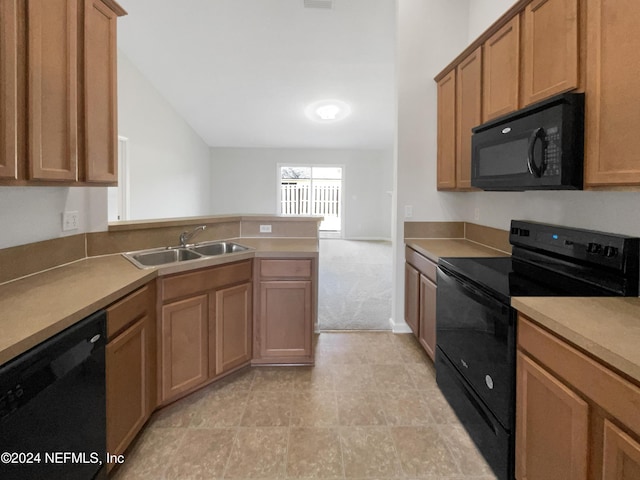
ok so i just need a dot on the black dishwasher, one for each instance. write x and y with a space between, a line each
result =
52 407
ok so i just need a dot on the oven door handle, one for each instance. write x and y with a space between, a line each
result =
480 296
535 170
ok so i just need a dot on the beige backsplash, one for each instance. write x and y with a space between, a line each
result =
16 262
489 236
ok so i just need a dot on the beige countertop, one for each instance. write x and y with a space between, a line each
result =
606 327
37 307
435 248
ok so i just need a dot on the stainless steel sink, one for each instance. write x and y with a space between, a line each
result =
218 248
157 257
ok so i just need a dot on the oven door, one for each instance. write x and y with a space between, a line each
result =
476 332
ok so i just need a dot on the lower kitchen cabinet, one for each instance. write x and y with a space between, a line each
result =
284 315
420 299
130 367
185 356
575 418
231 331
205 329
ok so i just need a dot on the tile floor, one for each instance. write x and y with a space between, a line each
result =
369 409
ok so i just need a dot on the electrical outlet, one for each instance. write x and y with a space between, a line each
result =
408 211
476 214
70 221
265 228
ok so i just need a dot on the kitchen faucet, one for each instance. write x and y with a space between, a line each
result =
186 236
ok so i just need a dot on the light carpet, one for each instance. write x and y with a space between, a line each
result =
354 285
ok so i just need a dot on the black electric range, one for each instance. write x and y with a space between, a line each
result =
476 325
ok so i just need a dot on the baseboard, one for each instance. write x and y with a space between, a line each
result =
368 239
399 327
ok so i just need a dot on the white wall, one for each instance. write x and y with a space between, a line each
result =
430 33
32 214
244 180
168 161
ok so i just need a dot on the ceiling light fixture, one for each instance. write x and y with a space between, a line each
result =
327 111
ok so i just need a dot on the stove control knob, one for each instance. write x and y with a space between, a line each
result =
594 248
610 251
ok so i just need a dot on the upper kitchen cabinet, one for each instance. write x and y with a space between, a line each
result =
550 56
501 72
8 89
612 86
447 132
459 110
468 113
60 128
52 39
100 87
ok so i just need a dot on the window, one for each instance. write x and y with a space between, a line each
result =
313 190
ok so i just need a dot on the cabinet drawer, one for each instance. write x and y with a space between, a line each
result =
189 284
616 395
128 310
421 263
285 268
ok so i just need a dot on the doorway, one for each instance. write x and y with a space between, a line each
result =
313 190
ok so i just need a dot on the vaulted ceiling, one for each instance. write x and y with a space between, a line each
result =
241 72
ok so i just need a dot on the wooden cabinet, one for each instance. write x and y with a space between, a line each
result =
447 132
130 367
550 41
501 71
60 127
612 85
100 159
420 299
185 345
205 326
621 454
285 311
53 89
230 334
575 418
468 114
8 89
427 336
412 298
552 426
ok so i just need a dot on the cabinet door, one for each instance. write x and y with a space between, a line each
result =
184 347
447 132
552 425
8 90
53 89
286 321
100 101
128 385
230 333
621 459
412 298
550 63
428 316
501 71
469 113
613 82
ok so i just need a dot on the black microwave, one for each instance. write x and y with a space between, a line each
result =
540 147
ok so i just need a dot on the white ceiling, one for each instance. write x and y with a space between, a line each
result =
241 72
